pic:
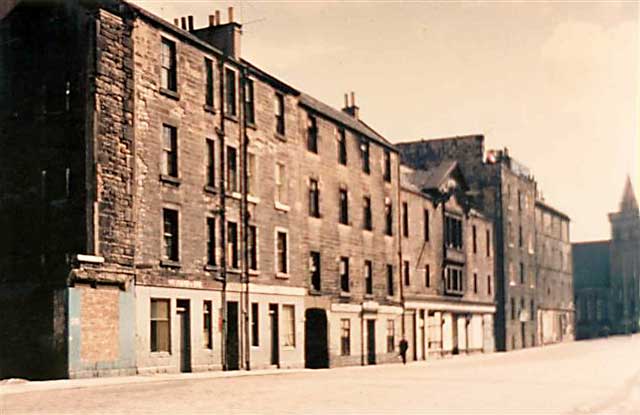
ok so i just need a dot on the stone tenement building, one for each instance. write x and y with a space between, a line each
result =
607 275
168 206
554 271
505 191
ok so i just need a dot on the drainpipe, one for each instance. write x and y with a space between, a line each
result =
399 238
223 220
244 212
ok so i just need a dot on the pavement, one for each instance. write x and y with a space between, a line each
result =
588 377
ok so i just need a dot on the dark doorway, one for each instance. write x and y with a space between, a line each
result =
184 335
523 335
316 349
454 334
273 323
423 335
371 342
233 358
414 340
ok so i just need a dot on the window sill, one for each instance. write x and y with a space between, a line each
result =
280 137
230 117
236 195
174 181
231 270
282 276
161 354
315 216
211 189
344 224
390 297
254 272
386 235
167 263
208 108
369 230
169 93
211 267
368 296
282 207
315 292
253 199
345 294
251 125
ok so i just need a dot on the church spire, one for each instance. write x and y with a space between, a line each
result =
628 202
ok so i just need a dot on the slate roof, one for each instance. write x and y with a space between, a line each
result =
591 264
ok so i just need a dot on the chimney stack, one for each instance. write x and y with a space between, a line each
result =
350 107
190 23
225 37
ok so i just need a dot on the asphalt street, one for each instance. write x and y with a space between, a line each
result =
588 377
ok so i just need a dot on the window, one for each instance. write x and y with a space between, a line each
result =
427 276
405 219
368 277
489 284
342 146
232 169
364 154
521 273
475 283
230 92
170 233
367 218
488 242
387 165
255 325
388 218
453 280
345 337
344 207
312 134
533 314
344 274
282 252
407 277
520 236
513 308
249 106
209 94
169 150
289 332
281 183
453 232
519 200
207 333
314 198
232 244
391 336
390 280
315 270
426 225
169 68
160 328
251 174
211 163
252 247
279 111
211 241
474 236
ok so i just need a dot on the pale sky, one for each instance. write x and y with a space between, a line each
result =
555 82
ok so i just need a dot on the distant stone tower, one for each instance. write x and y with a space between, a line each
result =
625 263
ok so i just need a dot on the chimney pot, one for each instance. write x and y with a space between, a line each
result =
212 20
183 23
176 22
346 100
353 99
190 23
217 17
230 10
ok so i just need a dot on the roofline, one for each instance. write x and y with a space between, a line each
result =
552 210
270 78
405 188
441 139
602 241
329 117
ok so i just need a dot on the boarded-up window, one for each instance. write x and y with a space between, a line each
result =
289 329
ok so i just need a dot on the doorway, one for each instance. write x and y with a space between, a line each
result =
316 350
184 335
454 334
273 323
233 357
371 342
423 335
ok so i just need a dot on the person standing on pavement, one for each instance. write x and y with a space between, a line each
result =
404 345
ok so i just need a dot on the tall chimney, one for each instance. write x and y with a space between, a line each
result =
350 107
190 23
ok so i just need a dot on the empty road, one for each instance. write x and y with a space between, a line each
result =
591 377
